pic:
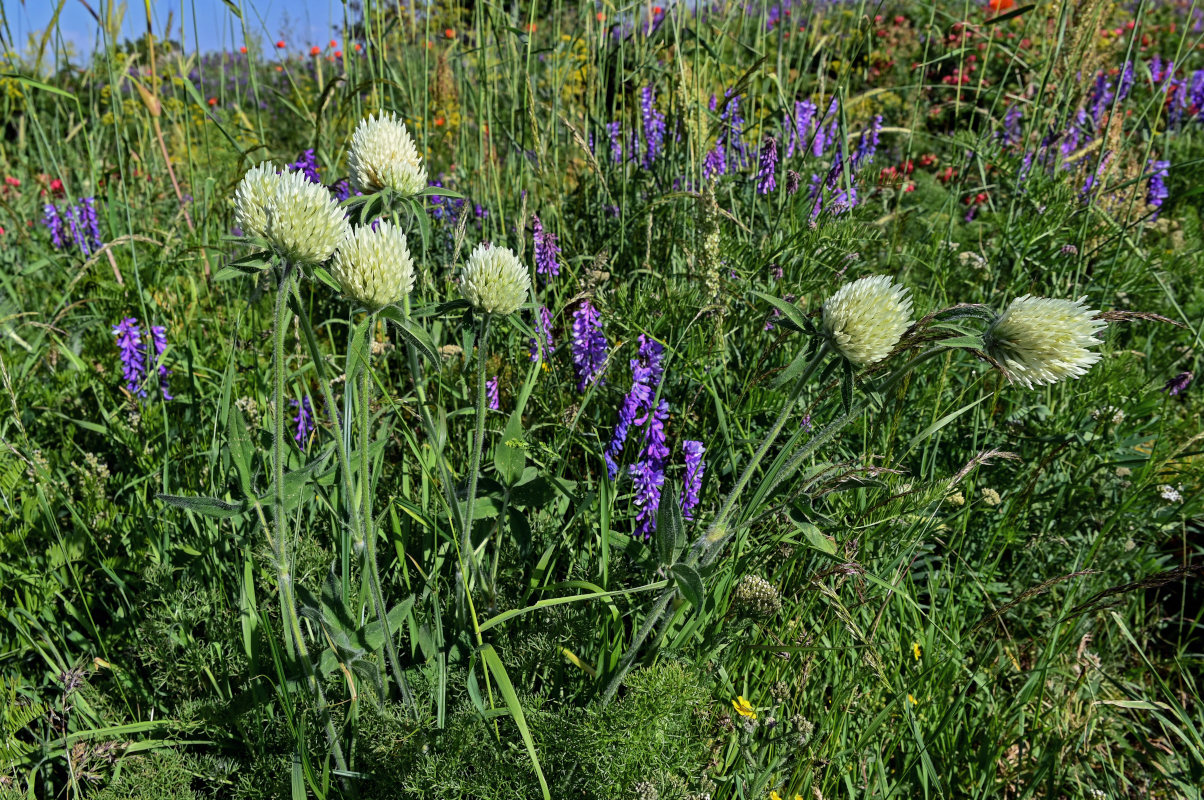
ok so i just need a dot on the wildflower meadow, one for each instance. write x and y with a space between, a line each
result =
605 400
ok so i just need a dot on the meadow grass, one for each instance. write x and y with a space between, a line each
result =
690 522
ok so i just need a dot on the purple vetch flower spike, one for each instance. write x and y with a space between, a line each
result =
307 165
1178 384
1177 102
72 214
91 222
654 126
766 180
159 341
1101 97
648 482
341 189
492 395
589 345
1159 172
54 223
543 335
304 420
867 145
615 131
547 251
715 162
804 118
647 370
793 181
1012 119
1125 84
133 355
695 467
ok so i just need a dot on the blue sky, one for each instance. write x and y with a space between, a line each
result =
209 23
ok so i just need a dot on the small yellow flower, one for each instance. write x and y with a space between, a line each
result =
916 651
744 708
911 698
774 796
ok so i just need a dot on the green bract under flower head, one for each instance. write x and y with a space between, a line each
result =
1041 340
383 156
374 267
251 198
494 280
304 223
865 319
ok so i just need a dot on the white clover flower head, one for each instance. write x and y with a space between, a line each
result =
865 319
374 267
494 280
382 155
251 197
1042 340
304 223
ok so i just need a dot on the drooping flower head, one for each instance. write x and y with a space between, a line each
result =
374 266
494 280
251 199
547 251
1041 340
865 319
1178 383
382 155
304 223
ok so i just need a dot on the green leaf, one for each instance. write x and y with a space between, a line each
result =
241 449
414 334
510 454
846 385
689 582
816 538
792 315
670 526
209 506
490 656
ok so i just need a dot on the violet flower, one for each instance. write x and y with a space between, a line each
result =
804 116
695 467
766 180
614 129
159 341
304 420
1178 384
543 335
492 394
1159 172
54 223
647 370
654 126
589 345
133 355
547 251
867 145
307 165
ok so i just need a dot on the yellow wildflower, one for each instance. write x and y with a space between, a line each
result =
744 708
911 698
916 651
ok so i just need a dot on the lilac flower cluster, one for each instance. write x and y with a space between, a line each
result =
493 398
307 165
80 219
693 452
135 349
648 474
543 335
867 145
1178 384
654 126
1159 172
646 373
589 345
304 421
766 180
547 251
800 131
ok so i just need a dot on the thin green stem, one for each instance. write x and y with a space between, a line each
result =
293 637
368 543
478 443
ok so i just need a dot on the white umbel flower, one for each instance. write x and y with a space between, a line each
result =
865 319
1041 340
304 223
383 156
251 198
374 267
494 280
